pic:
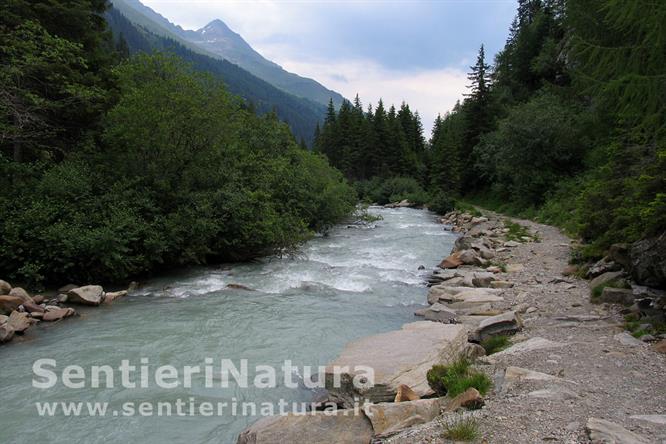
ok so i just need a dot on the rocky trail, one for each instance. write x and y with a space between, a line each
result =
567 371
573 374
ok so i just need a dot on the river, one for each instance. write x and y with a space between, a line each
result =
356 281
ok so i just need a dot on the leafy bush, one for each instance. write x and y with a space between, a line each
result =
184 175
532 148
454 379
384 191
441 203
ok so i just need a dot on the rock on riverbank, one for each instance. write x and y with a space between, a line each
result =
19 311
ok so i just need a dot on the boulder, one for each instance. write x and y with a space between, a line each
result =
68 287
440 313
388 418
617 296
626 339
38 299
6 333
473 295
405 394
341 426
530 345
648 261
505 324
469 399
602 266
452 261
20 293
602 431
511 244
469 257
605 278
483 279
9 304
420 312
55 314
464 243
31 307
88 295
110 297
19 322
397 357
5 288
621 255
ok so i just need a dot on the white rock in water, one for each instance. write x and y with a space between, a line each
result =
88 295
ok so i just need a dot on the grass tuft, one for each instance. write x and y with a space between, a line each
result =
516 231
494 344
464 429
454 379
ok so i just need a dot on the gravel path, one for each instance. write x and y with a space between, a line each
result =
599 376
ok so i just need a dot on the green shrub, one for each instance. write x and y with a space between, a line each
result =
384 191
493 344
184 175
441 203
454 379
463 429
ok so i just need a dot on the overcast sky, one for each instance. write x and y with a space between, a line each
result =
418 51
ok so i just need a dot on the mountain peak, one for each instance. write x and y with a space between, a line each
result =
217 26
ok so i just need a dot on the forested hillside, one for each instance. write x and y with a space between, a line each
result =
117 167
566 125
301 114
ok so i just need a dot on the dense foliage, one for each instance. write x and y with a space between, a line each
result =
126 168
569 124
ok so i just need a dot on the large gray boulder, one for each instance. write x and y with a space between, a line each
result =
20 293
9 304
343 426
605 278
505 324
88 295
397 357
5 288
648 261
19 322
440 313
388 418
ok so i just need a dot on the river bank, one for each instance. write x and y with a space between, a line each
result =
568 371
